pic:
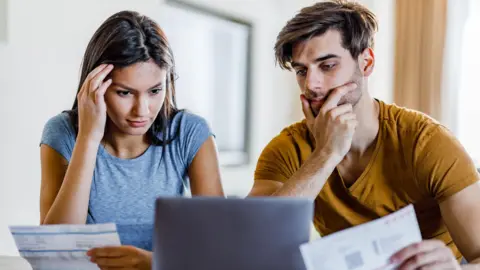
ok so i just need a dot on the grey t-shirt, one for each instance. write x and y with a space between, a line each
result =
124 190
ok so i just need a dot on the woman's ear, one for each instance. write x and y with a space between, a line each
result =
367 61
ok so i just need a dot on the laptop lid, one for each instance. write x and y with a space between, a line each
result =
208 233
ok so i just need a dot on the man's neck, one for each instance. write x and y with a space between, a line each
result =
367 111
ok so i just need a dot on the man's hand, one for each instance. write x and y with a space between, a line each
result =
426 255
121 257
334 126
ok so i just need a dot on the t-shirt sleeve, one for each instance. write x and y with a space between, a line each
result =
279 159
58 133
194 131
443 167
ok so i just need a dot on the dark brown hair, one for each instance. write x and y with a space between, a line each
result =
356 24
126 38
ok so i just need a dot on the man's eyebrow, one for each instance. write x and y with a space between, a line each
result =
319 59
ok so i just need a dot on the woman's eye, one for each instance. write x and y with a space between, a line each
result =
123 93
156 91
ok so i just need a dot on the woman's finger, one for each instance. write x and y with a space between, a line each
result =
96 81
86 83
94 72
100 93
113 261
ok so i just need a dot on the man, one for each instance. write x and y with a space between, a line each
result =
360 158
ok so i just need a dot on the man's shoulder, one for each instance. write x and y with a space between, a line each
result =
406 120
295 137
285 153
298 129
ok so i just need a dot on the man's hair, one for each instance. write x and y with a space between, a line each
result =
356 24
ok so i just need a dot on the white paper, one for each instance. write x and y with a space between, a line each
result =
62 247
367 246
13 262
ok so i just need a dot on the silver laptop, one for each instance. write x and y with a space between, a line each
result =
206 233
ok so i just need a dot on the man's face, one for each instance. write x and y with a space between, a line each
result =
321 64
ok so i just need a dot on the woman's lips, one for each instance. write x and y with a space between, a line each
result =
137 124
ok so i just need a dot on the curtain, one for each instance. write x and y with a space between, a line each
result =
419 52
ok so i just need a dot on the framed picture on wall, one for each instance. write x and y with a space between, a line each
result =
212 55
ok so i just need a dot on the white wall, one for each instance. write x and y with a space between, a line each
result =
39 69
381 81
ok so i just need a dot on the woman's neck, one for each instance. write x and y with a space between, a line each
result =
125 146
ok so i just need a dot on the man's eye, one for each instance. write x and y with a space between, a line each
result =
301 72
123 93
328 67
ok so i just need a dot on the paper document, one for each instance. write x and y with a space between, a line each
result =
367 246
62 247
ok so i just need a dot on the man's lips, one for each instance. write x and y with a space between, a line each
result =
317 102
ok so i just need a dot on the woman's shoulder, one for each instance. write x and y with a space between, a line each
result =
190 132
185 121
185 117
59 123
59 134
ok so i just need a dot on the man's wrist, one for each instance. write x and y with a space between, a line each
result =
328 157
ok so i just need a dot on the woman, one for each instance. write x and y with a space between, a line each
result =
124 143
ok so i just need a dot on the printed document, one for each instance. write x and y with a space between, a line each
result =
367 246
55 247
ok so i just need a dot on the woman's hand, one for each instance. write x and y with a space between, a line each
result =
92 110
121 257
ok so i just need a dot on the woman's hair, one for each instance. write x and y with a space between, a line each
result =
126 38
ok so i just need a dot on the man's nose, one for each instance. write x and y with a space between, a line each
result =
314 83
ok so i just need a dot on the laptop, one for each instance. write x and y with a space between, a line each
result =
208 233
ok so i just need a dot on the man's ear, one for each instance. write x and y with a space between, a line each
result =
366 61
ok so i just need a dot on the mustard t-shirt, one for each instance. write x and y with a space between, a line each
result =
416 161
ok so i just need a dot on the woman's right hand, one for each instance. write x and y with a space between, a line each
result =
92 110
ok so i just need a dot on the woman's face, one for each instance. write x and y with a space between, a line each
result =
135 97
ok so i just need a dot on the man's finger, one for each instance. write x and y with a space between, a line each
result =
438 266
417 248
307 110
347 117
420 260
340 110
336 95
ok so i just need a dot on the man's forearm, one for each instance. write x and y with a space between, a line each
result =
309 180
